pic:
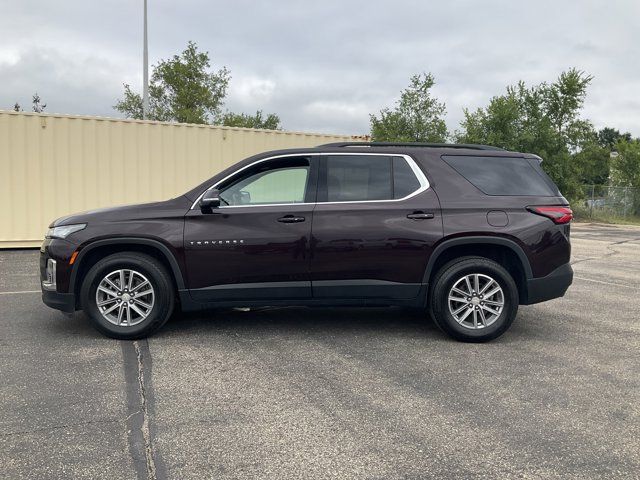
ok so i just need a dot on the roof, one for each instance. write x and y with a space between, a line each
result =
467 146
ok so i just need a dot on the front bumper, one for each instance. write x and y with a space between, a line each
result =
65 302
552 286
55 273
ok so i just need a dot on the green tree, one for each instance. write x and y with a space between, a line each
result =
270 122
625 166
36 103
625 171
608 137
545 120
592 164
417 116
182 89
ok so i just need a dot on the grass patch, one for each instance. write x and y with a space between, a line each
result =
602 215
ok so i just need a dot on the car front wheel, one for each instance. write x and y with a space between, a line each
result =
128 295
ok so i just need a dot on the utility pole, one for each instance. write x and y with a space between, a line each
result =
145 69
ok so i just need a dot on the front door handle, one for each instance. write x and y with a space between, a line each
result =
420 216
291 219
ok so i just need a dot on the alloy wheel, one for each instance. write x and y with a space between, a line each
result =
125 297
476 301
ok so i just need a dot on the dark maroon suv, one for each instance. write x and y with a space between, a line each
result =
466 232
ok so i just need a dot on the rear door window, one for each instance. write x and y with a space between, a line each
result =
357 178
352 178
503 175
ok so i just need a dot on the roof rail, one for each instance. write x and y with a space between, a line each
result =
470 146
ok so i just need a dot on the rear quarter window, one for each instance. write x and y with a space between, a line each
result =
404 180
503 175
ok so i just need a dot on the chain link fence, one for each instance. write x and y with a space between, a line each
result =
609 204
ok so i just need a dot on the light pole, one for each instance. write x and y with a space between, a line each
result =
145 69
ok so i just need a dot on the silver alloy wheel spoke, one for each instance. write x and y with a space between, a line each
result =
139 286
119 299
466 314
457 299
135 308
110 309
491 302
468 282
113 285
480 305
460 309
482 317
488 284
460 292
143 304
490 310
107 291
494 291
107 301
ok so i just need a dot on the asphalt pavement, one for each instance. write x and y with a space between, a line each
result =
330 393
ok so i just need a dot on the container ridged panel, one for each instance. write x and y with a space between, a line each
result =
54 165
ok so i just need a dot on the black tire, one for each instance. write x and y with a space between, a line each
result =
158 277
449 275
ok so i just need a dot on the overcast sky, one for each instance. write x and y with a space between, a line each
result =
324 65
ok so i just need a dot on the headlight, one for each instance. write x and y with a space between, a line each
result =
64 231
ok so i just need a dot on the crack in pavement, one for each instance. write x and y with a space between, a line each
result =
139 393
57 427
609 254
605 283
151 467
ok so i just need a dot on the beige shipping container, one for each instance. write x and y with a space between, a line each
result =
53 165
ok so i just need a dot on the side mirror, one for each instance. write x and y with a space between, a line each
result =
210 199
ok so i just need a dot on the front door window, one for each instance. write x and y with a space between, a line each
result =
280 185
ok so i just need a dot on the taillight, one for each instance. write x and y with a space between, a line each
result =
559 215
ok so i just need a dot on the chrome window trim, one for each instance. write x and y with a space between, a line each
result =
420 176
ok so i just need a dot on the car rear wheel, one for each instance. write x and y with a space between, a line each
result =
473 299
128 295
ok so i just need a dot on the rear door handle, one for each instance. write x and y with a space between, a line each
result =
420 215
290 219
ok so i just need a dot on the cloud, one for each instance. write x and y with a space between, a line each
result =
9 57
81 84
249 91
324 66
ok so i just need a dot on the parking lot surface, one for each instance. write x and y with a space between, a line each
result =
330 393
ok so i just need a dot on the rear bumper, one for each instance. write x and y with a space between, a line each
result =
552 286
65 302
